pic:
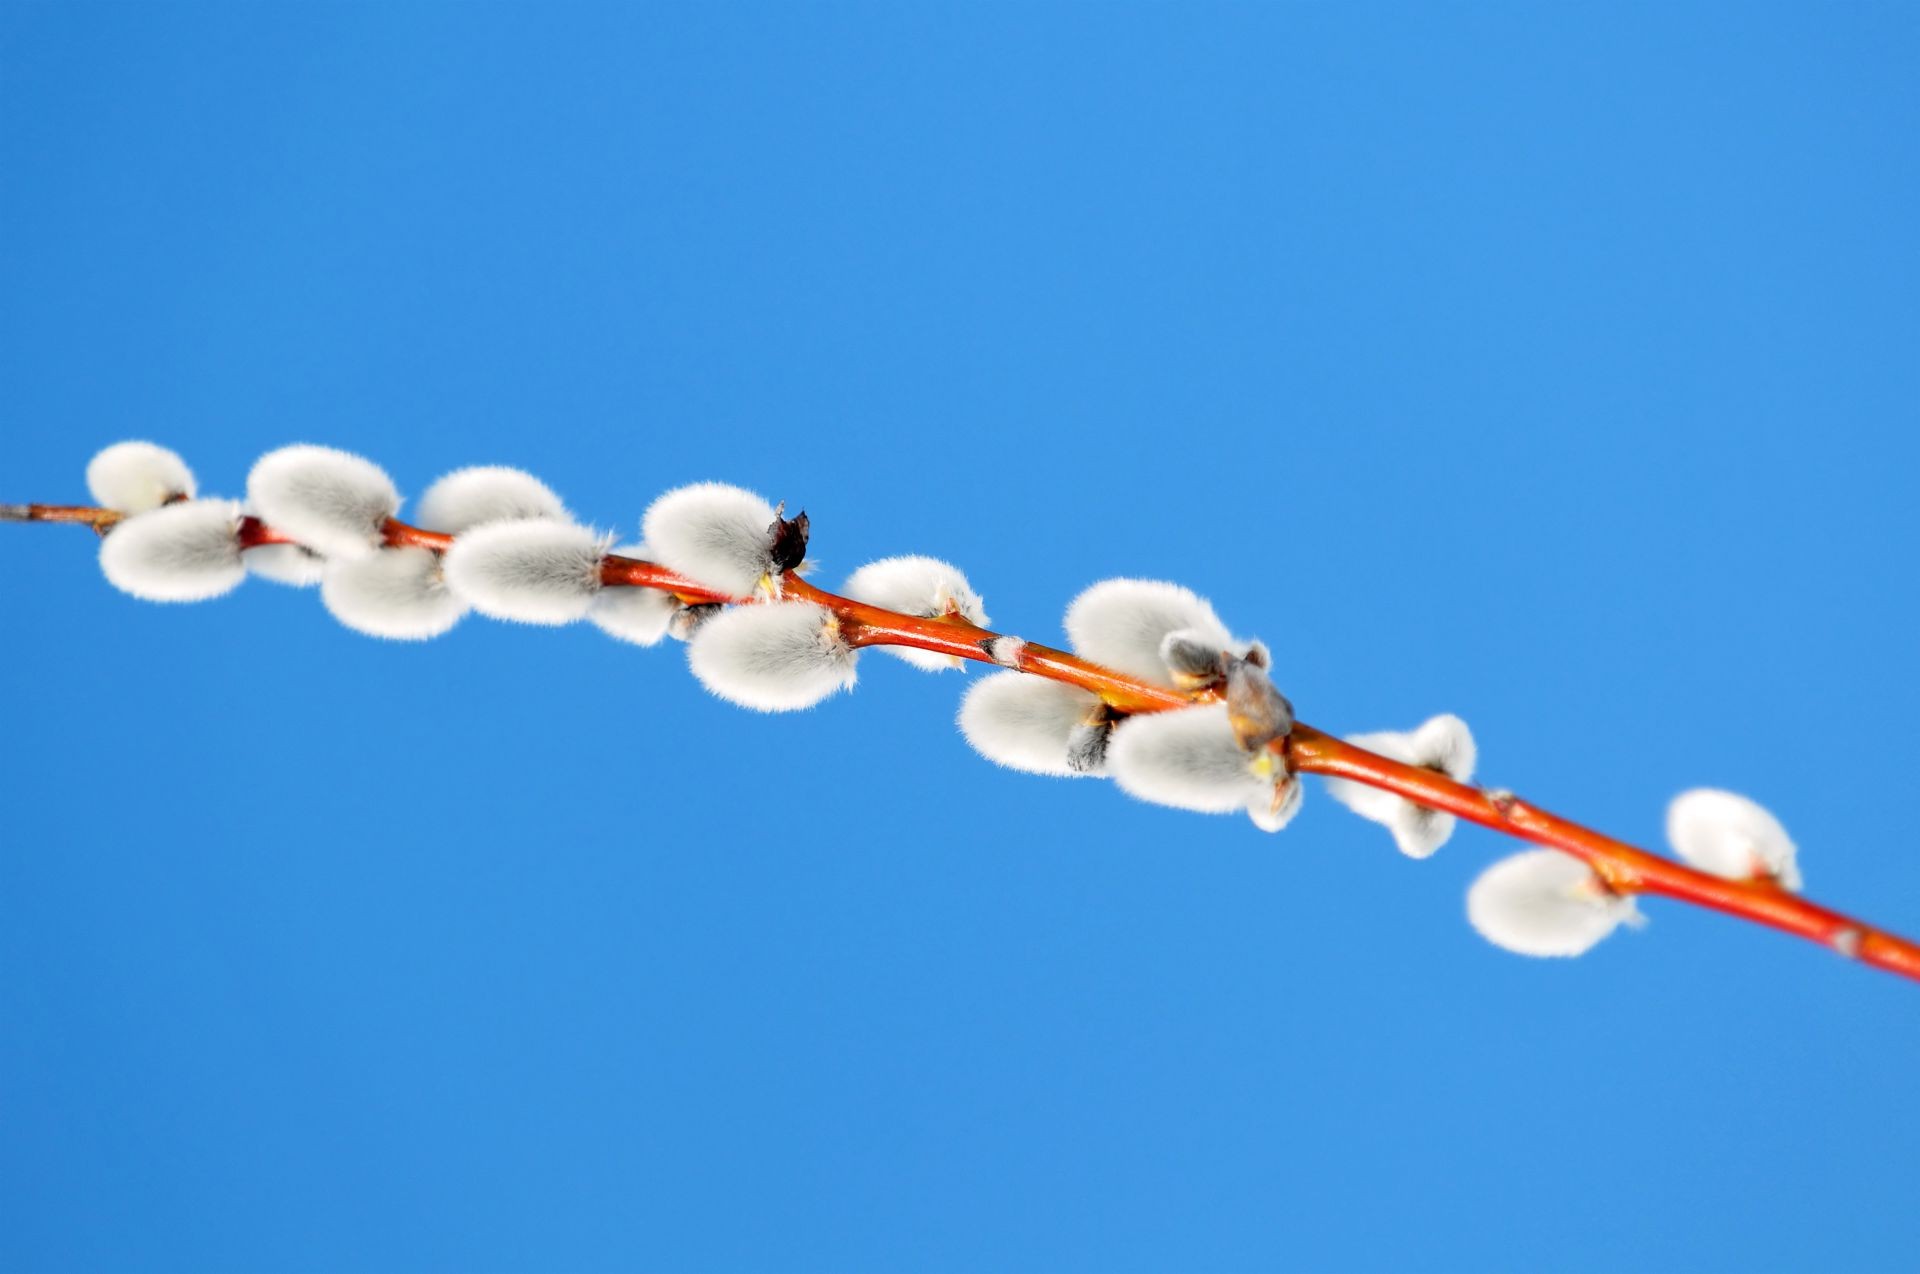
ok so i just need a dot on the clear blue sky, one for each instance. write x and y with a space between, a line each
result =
1553 365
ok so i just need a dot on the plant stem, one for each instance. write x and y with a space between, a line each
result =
1621 867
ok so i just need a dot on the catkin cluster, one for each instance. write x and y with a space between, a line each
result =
314 516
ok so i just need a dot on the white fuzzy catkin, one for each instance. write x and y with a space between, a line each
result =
533 570
1726 834
183 552
469 497
1440 743
1269 819
1544 903
1025 722
331 501
772 656
1189 758
922 586
135 477
714 533
397 593
291 564
638 615
1121 623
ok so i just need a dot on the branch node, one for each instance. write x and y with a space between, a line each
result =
1004 651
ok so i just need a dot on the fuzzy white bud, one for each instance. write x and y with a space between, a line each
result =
331 501
922 586
1441 743
1273 813
772 656
1726 834
1190 759
1122 623
1544 903
294 565
717 534
1026 723
533 570
135 477
398 593
183 552
638 615
467 498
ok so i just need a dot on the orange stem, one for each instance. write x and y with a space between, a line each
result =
99 520
1621 867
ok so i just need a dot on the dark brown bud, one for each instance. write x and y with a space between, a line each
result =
789 536
1259 713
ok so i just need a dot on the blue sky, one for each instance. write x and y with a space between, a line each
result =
1553 365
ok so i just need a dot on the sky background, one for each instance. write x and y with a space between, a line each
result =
1552 365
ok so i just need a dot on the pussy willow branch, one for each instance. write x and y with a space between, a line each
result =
1623 868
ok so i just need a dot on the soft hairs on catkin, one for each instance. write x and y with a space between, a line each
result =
1187 758
396 593
716 534
923 586
772 657
533 570
1121 624
183 552
1541 902
291 564
469 497
1024 722
1729 835
641 616
134 477
333 502
1440 743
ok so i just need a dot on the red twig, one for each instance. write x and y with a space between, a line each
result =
1622 867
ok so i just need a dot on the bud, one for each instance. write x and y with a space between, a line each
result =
787 541
136 477
922 586
533 570
397 593
335 503
183 552
1034 725
1728 835
294 565
1190 759
1545 903
1441 743
638 615
1259 713
1193 657
1274 813
1123 623
1087 745
469 497
772 656
719 535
